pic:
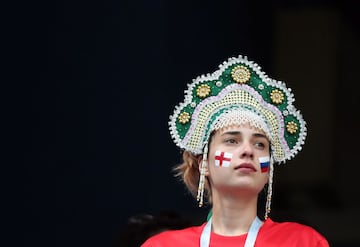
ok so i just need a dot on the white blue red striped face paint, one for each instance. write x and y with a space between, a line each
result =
264 163
222 159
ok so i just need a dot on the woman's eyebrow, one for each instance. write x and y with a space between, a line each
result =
260 135
231 133
257 135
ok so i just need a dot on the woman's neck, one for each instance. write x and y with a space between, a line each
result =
233 216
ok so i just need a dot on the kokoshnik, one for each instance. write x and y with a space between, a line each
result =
237 93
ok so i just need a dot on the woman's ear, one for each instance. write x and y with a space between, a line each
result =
200 160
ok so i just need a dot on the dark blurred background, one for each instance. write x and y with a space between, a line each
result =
101 78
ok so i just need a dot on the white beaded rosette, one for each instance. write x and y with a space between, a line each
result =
238 92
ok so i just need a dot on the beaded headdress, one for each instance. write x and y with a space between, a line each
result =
238 88
238 93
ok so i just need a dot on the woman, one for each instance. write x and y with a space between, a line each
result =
233 126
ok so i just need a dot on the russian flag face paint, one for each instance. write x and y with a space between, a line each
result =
264 163
222 159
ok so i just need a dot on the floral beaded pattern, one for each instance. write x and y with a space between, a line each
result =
277 96
203 90
240 74
184 117
291 127
238 83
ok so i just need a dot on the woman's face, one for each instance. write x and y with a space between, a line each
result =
234 159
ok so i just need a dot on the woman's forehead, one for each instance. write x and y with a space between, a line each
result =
240 128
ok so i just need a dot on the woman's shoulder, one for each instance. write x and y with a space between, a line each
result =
274 225
184 237
293 232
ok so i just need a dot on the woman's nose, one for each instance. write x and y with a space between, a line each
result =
246 150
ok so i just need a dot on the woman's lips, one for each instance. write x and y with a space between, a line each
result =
245 168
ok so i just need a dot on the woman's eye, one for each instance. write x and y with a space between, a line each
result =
231 141
259 144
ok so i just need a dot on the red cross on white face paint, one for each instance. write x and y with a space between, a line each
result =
222 159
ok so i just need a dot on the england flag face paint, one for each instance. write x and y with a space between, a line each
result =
264 163
222 159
